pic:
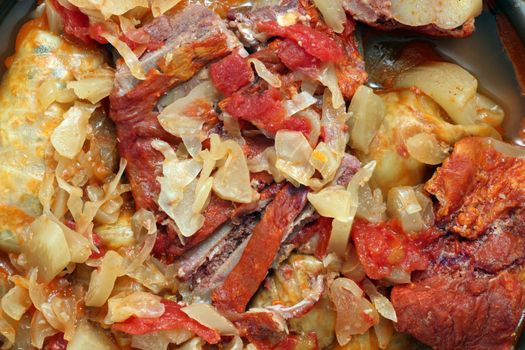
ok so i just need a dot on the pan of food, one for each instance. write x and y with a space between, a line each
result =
265 174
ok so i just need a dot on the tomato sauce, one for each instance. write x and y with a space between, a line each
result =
384 247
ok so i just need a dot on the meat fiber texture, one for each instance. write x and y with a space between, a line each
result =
471 297
191 39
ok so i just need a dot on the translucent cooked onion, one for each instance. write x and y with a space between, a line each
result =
69 136
7 333
47 248
53 90
175 119
451 86
333 125
188 222
154 275
16 302
328 77
382 304
326 161
103 279
264 73
177 189
412 208
355 314
293 156
161 339
371 205
425 148
193 344
367 112
232 179
159 7
144 227
506 148
384 331
127 54
299 102
398 276
54 20
333 202
488 111
333 13
40 329
139 304
209 316
446 14
352 267
341 204
79 246
315 125
92 89
89 336
235 344
265 161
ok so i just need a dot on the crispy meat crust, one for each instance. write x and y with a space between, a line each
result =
476 186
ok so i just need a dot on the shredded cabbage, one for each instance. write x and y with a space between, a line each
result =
161 339
159 7
89 336
110 8
16 302
328 77
355 314
298 103
69 136
139 304
92 89
232 179
367 112
341 204
102 280
209 316
47 248
333 13
382 304
176 120
127 54
265 74
177 189
293 156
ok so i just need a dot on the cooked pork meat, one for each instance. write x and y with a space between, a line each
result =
461 312
191 39
475 173
470 296
242 283
244 23
428 17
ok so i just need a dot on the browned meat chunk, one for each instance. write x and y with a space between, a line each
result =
461 312
476 186
471 296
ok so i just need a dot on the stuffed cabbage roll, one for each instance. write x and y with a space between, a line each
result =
34 97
